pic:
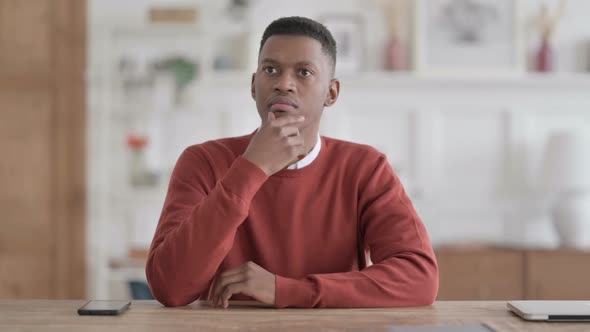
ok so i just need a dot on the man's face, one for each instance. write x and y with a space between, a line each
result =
294 76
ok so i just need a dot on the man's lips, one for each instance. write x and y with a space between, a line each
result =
280 107
284 104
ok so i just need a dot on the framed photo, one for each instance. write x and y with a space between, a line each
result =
349 33
468 38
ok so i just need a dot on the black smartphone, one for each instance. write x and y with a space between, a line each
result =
104 308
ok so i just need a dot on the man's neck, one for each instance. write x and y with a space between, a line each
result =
310 138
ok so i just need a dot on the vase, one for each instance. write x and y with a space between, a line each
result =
571 217
544 57
395 55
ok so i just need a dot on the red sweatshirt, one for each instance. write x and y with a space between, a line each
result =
311 227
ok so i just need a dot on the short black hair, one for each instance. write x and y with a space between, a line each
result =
302 26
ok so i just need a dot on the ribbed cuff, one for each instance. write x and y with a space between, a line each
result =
243 179
293 293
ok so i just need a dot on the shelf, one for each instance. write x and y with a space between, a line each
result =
237 81
141 195
226 78
372 80
136 258
126 263
125 114
242 78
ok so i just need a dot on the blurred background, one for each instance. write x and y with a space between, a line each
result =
481 106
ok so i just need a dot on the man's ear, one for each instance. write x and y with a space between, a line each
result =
333 92
252 88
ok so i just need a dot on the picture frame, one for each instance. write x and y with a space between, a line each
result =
468 38
348 31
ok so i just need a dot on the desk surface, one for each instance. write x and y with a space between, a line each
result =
60 315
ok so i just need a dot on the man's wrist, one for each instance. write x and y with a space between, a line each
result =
244 178
293 292
258 164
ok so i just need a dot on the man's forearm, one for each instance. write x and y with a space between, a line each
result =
405 280
187 251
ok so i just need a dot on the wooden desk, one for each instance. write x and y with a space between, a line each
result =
60 315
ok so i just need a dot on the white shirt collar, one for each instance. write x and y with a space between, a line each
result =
310 156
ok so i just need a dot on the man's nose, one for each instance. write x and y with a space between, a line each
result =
285 83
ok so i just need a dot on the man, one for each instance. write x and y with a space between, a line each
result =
284 216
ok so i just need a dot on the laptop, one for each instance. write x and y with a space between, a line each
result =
567 311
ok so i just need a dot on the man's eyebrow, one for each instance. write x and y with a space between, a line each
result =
268 60
300 63
306 63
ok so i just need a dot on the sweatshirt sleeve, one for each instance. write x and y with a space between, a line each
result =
404 270
198 224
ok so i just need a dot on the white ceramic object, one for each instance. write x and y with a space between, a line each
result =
566 162
571 217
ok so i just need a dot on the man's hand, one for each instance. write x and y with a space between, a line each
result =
277 144
248 279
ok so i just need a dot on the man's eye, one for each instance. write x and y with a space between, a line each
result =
269 70
305 72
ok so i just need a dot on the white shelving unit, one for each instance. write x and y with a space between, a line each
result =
122 217
419 120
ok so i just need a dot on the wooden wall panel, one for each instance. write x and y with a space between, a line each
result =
30 279
26 172
25 37
70 147
43 142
